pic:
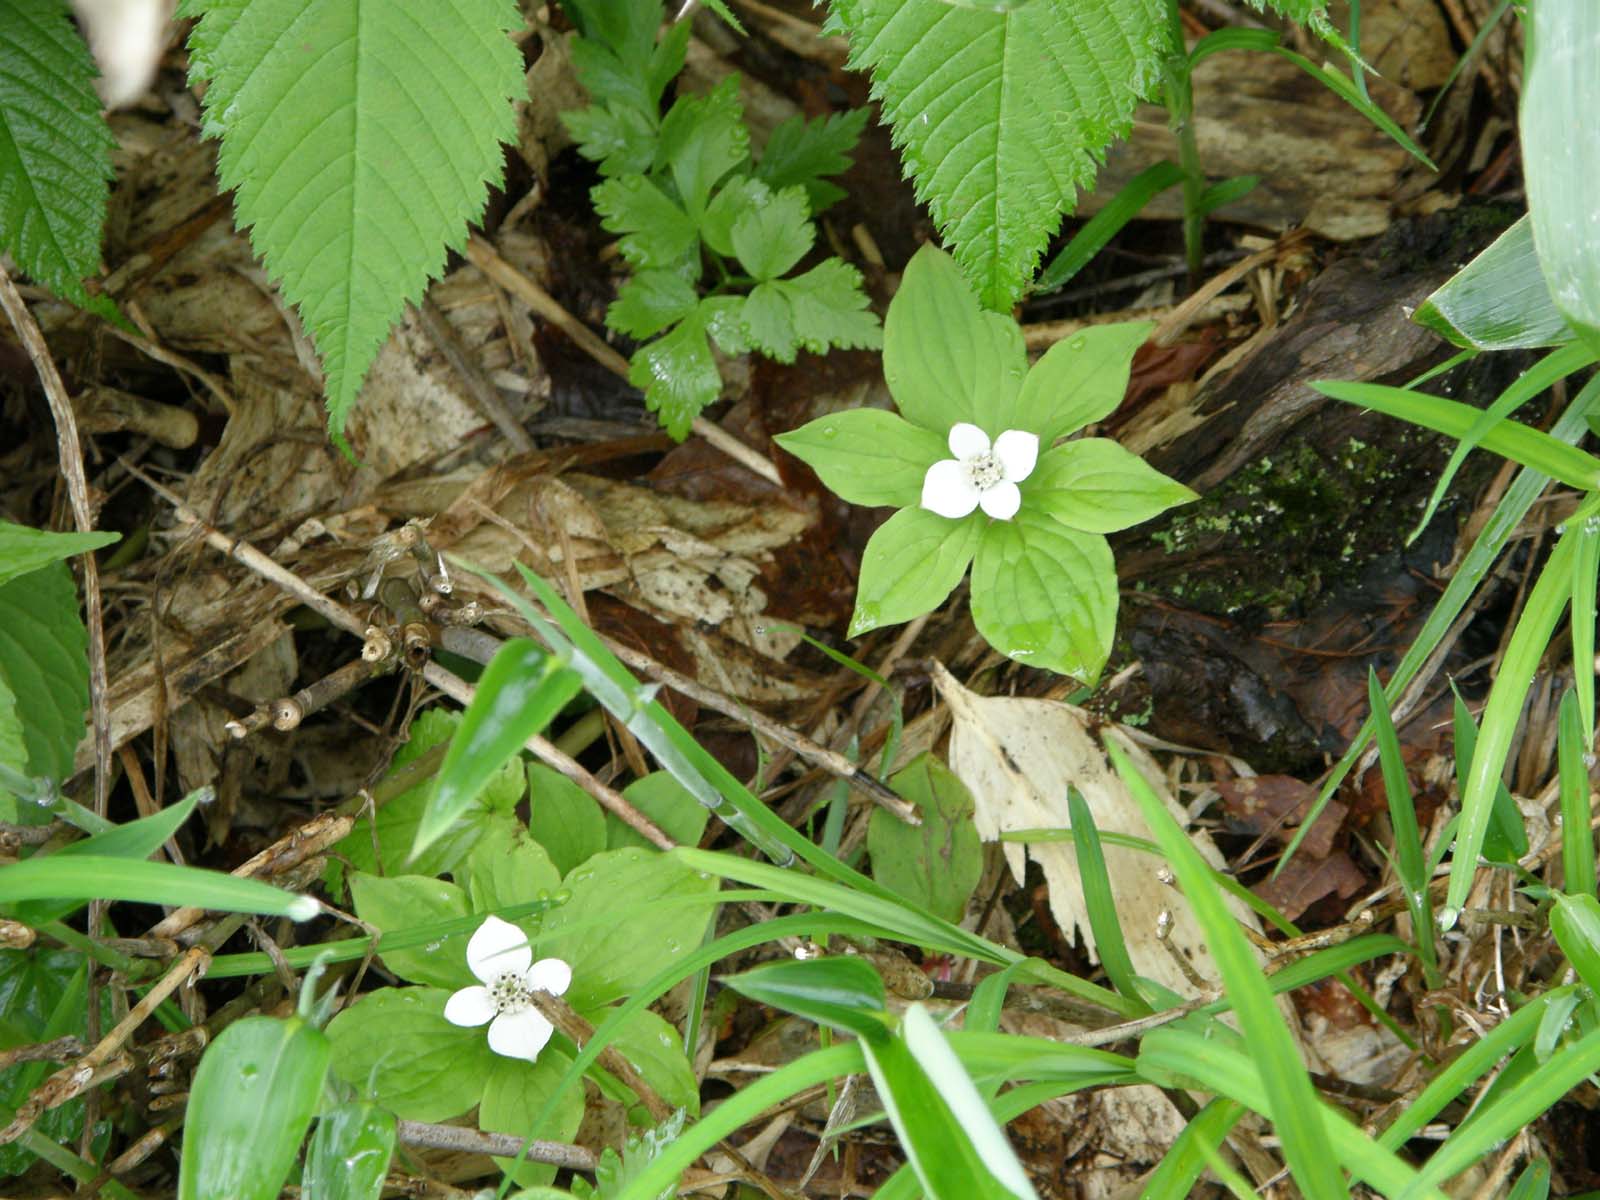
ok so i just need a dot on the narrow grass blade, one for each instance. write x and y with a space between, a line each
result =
1099 902
1575 921
1291 1100
1409 865
842 992
1175 1176
1577 837
1099 229
1585 576
254 1094
1506 839
94 877
520 693
349 1154
1533 1183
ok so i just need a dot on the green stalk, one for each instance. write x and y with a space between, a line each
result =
1179 97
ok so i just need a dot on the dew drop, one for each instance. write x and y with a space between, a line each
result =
1078 343
248 1072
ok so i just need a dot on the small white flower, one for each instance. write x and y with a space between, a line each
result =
500 957
980 475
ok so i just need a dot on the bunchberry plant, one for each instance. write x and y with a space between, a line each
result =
508 978
974 465
691 201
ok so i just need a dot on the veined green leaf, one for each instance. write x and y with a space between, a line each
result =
55 149
1000 115
867 456
1499 300
349 1153
44 663
842 992
360 139
911 564
23 549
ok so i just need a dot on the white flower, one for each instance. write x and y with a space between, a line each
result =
980 475
500 957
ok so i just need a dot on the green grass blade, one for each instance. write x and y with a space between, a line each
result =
1291 1100
1181 1165
1099 229
1585 575
94 877
1098 901
1506 839
1577 837
1499 300
1410 867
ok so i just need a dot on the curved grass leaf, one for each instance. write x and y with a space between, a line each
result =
55 148
95 877
1499 300
360 140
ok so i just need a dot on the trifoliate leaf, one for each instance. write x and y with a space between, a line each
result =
911 565
44 660
360 140
1046 595
1001 116
649 302
678 373
702 139
1095 485
657 232
737 196
617 56
830 309
23 549
945 359
866 455
770 236
55 148
802 152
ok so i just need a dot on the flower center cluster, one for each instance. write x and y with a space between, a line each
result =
510 993
985 470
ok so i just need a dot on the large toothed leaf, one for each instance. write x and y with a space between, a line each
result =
1002 115
361 137
55 149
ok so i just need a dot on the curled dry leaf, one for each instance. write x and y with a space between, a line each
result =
1018 758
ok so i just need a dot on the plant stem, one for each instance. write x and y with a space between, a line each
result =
1179 97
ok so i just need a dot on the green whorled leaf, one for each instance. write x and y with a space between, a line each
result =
677 372
401 902
507 871
867 456
349 1154
651 911
1499 300
934 865
842 992
649 302
1001 116
911 565
702 139
768 239
738 195
1046 595
1561 153
652 1045
519 693
1093 484
1575 921
513 1094
254 1094
23 549
395 1045
802 152
656 231
1079 380
55 151
44 660
563 818
492 812
945 359
666 802
360 140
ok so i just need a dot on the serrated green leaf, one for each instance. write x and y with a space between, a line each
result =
618 57
1079 380
395 1045
911 565
55 149
802 152
656 231
23 549
1000 116
677 372
1046 595
829 309
44 660
764 323
934 865
1093 484
739 194
360 140
649 302
945 359
866 455
702 139
770 237
564 818
393 905
620 140
666 802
